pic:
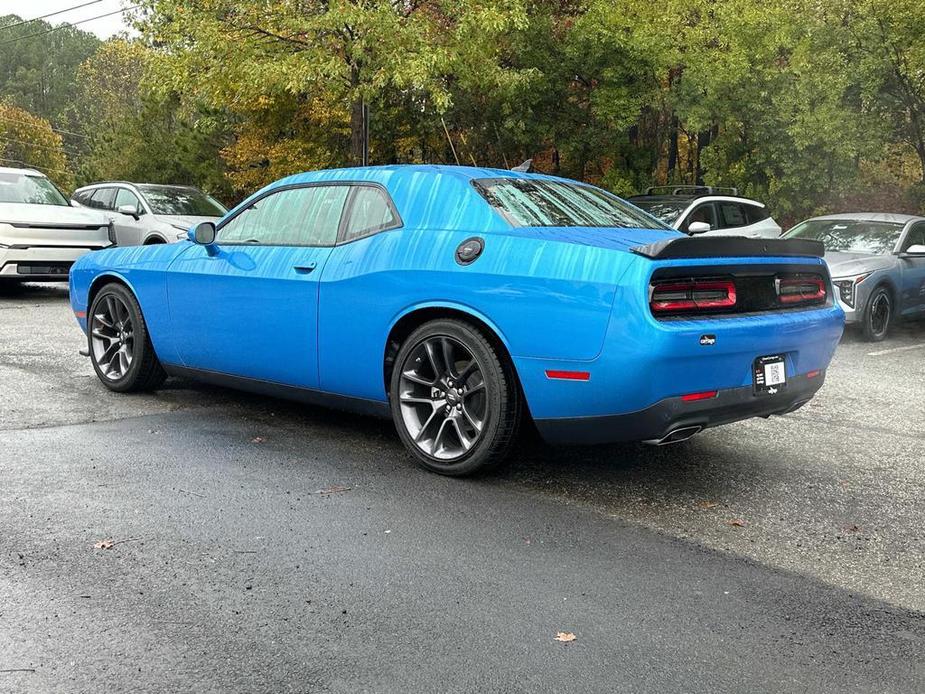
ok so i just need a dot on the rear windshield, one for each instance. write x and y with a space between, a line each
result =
529 202
182 201
850 235
29 189
666 211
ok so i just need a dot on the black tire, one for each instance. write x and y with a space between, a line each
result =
485 392
878 315
143 371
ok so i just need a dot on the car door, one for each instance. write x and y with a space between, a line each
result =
702 212
247 305
129 229
912 271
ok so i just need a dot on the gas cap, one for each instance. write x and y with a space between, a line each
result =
469 250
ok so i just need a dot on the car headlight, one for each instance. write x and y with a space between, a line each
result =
847 287
182 229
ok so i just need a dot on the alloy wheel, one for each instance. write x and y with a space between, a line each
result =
443 398
112 337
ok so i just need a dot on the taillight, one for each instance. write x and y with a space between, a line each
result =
692 295
801 290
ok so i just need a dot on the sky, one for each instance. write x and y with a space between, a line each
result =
104 27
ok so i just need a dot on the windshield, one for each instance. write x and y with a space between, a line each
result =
666 211
29 189
543 203
850 235
191 202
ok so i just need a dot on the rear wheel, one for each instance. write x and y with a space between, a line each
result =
454 399
878 315
120 348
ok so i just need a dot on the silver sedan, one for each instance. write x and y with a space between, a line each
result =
877 263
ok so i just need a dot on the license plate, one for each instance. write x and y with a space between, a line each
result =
769 375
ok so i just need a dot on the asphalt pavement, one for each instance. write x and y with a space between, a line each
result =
263 546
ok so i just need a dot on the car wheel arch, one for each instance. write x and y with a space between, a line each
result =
154 240
411 319
99 282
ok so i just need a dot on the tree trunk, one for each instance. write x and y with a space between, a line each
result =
672 148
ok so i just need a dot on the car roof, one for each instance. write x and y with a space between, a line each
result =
691 198
870 217
101 184
29 172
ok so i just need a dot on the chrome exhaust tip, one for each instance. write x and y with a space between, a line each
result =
675 436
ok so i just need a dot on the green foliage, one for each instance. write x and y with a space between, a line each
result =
28 141
810 106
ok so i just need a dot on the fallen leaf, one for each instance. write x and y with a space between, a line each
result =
852 528
708 504
333 489
104 544
258 439
737 523
565 636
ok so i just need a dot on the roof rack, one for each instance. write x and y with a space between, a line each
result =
690 190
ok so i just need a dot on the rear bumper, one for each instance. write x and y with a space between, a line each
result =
39 263
659 420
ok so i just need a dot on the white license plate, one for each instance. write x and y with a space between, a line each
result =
769 374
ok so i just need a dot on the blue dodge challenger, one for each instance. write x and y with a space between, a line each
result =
460 301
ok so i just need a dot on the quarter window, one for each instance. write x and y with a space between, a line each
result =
370 212
307 216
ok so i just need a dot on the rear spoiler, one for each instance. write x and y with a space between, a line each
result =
730 246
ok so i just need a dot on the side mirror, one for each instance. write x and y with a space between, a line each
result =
698 227
203 234
916 250
128 210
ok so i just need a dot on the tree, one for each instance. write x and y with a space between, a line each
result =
28 141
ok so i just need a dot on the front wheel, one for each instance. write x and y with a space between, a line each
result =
120 348
878 315
454 399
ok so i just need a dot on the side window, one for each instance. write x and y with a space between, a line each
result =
83 197
731 214
102 198
126 197
368 213
306 216
702 213
755 214
916 236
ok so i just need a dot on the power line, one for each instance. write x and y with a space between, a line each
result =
4 138
27 165
50 14
64 25
60 132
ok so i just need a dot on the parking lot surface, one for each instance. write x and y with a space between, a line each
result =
265 546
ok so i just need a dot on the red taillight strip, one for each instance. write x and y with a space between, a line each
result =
568 375
690 300
813 374
815 285
705 395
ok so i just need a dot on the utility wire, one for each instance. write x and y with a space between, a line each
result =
60 132
64 25
50 14
4 138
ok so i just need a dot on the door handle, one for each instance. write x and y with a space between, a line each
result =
305 269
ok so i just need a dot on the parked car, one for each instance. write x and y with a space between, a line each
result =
877 261
41 235
145 213
459 300
706 210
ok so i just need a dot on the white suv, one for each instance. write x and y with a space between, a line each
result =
698 210
41 234
144 213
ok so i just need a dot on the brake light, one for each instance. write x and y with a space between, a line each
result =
692 295
800 290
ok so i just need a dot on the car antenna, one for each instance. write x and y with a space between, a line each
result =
526 167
